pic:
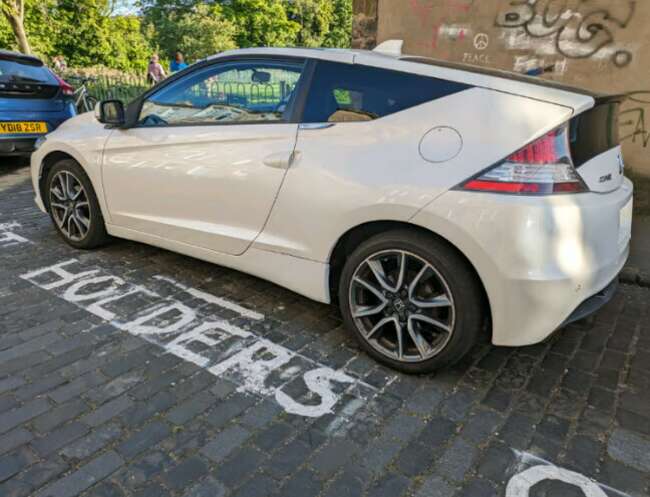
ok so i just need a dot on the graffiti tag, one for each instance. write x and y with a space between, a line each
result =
581 29
633 121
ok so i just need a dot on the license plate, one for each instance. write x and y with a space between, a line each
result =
625 225
23 128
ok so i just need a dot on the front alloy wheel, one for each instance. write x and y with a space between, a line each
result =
70 206
73 206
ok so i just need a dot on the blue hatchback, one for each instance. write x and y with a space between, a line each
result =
33 102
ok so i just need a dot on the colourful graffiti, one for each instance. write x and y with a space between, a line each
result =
576 29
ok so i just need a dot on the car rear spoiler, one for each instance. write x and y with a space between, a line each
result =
22 58
613 98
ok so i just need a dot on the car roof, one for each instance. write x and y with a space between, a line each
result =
346 55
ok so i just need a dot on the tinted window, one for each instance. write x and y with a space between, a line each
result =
20 72
234 92
344 92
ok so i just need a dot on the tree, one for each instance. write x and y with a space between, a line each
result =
340 33
261 23
204 31
14 12
315 20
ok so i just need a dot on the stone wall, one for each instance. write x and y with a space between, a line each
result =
602 45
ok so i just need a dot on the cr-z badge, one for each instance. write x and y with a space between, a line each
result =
605 179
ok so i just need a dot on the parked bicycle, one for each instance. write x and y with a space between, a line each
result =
83 100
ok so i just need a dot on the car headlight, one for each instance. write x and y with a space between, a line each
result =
39 141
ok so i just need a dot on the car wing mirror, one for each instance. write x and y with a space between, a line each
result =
110 112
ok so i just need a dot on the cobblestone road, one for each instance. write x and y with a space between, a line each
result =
135 371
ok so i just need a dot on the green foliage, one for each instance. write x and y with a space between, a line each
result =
129 48
203 32
87 34
84 33
340 33
314 17
197 29
261 23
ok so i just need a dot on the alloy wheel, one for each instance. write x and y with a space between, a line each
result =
402 306
69 205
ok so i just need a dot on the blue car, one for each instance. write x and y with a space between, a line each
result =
33 102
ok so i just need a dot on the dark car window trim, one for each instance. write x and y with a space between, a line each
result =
135 107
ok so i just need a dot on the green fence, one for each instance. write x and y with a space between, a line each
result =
123 87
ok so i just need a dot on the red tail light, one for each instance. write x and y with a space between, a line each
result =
542 167
66 88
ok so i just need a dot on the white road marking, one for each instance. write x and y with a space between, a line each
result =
539 470
258 365
9 238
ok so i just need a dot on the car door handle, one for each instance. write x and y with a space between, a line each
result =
311 126
279 160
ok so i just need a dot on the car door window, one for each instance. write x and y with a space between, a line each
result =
353 92
227 93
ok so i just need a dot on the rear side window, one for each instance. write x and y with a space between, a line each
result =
353 93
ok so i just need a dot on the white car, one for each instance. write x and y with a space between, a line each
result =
433 202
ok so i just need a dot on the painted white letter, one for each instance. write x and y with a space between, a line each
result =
66 277
318 381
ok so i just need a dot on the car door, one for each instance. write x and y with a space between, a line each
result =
208 155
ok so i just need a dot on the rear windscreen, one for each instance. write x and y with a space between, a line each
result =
594 132
12 71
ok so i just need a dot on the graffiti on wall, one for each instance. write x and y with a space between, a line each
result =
633 119
575 29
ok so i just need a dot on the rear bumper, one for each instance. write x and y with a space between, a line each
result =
23 145
17 146
539 259
593 304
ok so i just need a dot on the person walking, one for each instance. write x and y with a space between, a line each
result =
60 65
178 63
155 71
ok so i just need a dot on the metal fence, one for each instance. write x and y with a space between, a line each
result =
126 87
123 87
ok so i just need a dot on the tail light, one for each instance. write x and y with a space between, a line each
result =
541 168
66 88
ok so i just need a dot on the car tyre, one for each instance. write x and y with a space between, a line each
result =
73 206
433 335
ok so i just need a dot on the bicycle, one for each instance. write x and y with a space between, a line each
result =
84 102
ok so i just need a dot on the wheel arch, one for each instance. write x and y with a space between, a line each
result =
48 162
360 233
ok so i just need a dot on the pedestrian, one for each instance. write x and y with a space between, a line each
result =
155 72
178 63
60 65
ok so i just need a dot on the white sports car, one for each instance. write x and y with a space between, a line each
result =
434 202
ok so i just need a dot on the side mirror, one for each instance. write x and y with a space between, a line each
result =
110 112
261 77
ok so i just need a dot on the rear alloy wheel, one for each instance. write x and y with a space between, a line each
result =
73 206
412 300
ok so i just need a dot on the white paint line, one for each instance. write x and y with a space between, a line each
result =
10 225
176 327
521 483
9 238
212 299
